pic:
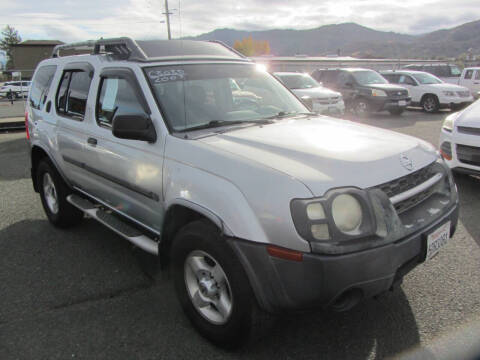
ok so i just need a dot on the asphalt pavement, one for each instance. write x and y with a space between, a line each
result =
84 293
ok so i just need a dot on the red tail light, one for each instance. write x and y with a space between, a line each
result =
283 253
26 125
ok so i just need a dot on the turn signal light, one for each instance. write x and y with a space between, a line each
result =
283 253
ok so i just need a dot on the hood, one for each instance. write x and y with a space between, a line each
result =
324 152
317 92
470 116
391 87
445 87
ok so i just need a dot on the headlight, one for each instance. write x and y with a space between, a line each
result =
376 92
347 213
449 93
449 122
342 214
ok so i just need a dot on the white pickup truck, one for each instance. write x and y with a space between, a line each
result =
470 78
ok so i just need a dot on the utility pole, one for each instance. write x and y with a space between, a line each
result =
167 14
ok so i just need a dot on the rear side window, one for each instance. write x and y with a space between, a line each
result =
468 74
41 86
116 97
477 75
393 79
73 93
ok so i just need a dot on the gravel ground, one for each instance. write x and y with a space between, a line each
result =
83 293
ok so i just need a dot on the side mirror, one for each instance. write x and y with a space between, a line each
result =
307 101
134 127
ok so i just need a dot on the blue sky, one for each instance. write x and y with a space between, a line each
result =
71 20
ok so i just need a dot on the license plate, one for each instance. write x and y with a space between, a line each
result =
437 239
402 103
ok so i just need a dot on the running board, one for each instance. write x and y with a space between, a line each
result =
123 229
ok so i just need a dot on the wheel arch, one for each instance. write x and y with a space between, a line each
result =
37 153
180 213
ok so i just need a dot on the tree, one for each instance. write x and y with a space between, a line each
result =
10 37
249 47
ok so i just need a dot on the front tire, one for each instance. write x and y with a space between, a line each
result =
361 108
53 193
430 104
213 288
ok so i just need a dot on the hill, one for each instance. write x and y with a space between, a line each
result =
351 38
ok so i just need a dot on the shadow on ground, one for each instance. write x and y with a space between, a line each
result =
469 193
82 292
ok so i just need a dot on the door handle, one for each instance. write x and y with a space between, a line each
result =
92 141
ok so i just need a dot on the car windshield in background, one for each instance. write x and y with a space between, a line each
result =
455 71
368 77
298 81
197 96
427 79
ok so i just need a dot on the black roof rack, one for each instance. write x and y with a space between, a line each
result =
125 48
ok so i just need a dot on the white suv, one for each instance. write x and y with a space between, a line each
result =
15 89
460 140
257 206
430 92
323 100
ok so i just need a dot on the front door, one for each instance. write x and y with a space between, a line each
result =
125 174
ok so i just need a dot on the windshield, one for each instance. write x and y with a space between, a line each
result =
298 81
368 77
455 71
196 95
426 79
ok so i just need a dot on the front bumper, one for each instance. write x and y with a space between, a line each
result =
329 109
386 103
329 280
454 139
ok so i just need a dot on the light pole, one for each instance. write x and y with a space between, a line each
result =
167 14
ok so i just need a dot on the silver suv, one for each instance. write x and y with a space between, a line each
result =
257 205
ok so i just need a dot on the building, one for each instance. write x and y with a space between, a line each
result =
27 54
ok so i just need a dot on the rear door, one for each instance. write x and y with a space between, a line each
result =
468 79
73 113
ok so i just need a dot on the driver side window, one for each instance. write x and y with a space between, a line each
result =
116 97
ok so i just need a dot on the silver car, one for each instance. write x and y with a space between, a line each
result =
257 206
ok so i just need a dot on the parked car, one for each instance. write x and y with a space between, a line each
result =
430 92
15 89
256 211
470 78
364 90
447 72
460 140
324 101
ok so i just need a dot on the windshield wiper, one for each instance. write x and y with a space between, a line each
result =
219 123
283 114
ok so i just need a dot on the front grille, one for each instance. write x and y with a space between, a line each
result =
468 130
468 154
397 93
328 101
406 183
463 94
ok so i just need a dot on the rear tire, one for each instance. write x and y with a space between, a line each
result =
206 272
53 193
396 111
430 104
